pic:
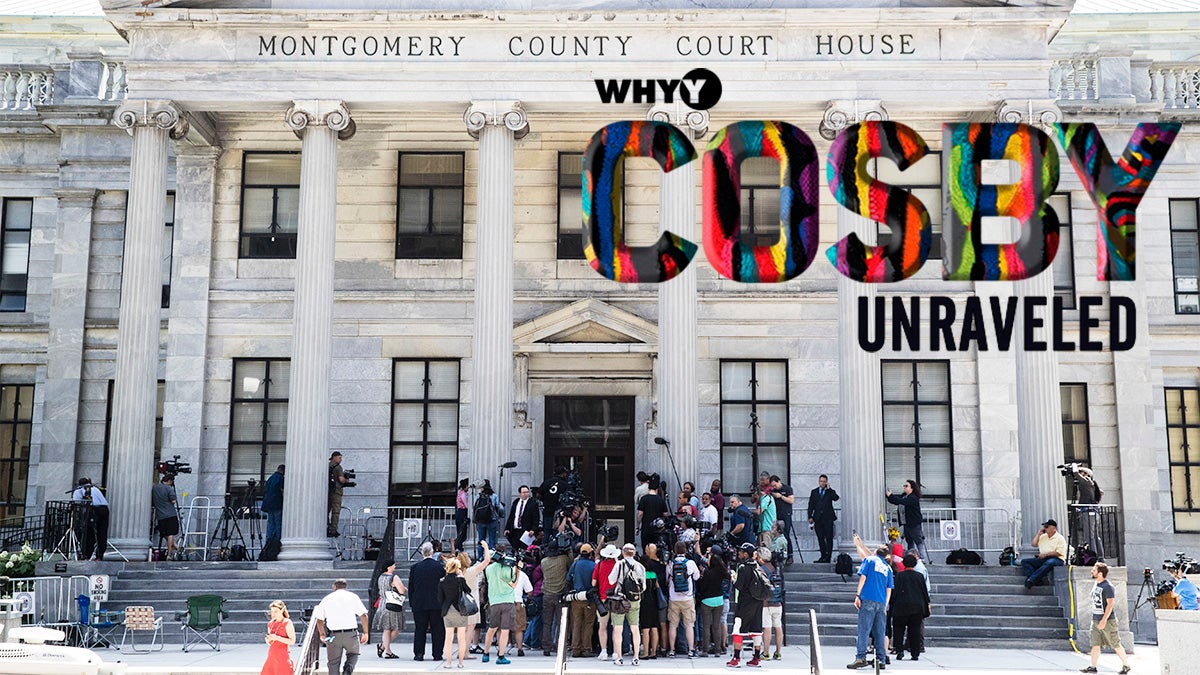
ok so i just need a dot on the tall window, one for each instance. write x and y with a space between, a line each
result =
1076 446
425 396
270 204
429 206
16 224
917 440
754 422
924 180
258 421
570 206
168 247
158 428
1064 261
760 201
1183 454
16 425
1185 255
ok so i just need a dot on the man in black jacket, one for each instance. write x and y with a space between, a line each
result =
423 580
821 516
523 518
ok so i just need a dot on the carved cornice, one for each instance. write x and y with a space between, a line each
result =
80 196
147 113
317 113
694 121
509 114
841 114
1040 113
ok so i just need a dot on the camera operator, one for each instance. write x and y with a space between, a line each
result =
741 521
1184 589
650 508
95 533
583 612
166 511
337 481
550 490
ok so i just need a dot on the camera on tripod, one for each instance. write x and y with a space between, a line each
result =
1182 563
174 467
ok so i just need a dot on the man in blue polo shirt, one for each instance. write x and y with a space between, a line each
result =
875 583
1185 589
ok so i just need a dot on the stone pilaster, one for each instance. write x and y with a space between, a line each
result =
497 124
55 467
319 124
678 392
131 453
996 387
187 325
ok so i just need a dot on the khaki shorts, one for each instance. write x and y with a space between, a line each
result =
503 617
632 617
772 617
685 609
1106 637
522 621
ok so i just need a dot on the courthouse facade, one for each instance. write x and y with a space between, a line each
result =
254 236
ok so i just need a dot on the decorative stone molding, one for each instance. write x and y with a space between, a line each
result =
145 113
521 389
78 196
1040 113
841 114
695 121
510 114
332 114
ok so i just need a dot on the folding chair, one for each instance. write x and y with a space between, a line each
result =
140 619
96 626
202 621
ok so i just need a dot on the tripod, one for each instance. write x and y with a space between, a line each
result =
69 538
1151 598
228 530
427 540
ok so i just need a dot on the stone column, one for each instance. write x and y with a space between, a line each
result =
55 466
187 326
319 124
135 392
860 391
497 124
678 393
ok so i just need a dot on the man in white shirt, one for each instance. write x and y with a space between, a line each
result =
642 488
94 509
708 512
523 588
342 625
1052 552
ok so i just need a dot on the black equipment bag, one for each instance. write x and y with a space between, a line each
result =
270 550
237 553
1008 557
374 545
963 556
843 565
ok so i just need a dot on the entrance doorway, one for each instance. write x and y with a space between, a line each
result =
594 436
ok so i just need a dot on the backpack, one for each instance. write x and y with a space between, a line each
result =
270 550
1008 557
776 581
485 511
680 579
843 565
237 553
963 556
760 585
631 586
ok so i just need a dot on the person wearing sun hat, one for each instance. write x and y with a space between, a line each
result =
600 576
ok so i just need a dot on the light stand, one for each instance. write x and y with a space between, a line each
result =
659 440
500 483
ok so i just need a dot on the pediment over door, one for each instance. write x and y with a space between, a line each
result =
594 323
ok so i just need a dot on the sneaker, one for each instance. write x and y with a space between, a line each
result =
545 652
914 657
602 657
692 654
503 661
777 657
1123 670
476 649
754 662
486 656
899 656
858 663
734 663
1029 585
520 651
619 662
671 654
635 661
1089 669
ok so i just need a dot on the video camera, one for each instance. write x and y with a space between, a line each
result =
1182 563
1069 469
348 474
609 532
174 467
505 559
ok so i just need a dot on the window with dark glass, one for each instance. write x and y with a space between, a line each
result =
1183 454
1063 267
425 399
1185 255
160 399
917 439
570 204
754 422
16 225
760 201
1076 443
258 421
270 204
16 428
924 180
429 205
168 247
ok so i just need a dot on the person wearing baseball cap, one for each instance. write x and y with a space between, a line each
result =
628 576
583 612
748 618
1052 552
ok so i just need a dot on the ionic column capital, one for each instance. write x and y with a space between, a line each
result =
694 121
332 114
1040 113
150 113
509 114
841 114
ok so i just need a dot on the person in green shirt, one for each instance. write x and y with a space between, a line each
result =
766 516
502 606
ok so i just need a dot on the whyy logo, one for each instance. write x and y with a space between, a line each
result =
700 89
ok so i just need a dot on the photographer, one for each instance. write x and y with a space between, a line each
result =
501 573
337 481
95 533
166 511
650 508
741 521
583 612
1184 589
551 489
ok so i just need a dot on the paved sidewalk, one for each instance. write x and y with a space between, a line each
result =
249 658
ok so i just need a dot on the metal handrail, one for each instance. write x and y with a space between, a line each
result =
310 654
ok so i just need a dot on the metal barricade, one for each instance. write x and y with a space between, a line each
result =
417 524
196 521
979 529
52 601
1094 527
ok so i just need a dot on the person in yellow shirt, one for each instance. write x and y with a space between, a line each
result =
1052 552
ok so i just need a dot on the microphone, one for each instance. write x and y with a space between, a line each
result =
659 440
508 465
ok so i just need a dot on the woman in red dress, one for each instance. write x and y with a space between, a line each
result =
281 635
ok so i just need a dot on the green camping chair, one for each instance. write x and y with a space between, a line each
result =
202 621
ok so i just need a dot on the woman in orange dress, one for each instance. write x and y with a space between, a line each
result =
281 635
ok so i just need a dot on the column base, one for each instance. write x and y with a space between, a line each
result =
305 549
134 550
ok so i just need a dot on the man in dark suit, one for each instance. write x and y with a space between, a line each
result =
423 580
821 516
522 517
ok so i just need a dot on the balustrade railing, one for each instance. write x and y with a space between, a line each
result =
112 81
25 88
1176 86
1074 80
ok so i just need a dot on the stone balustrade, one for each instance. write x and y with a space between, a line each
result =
1075 79
112 81
24 88
1175 85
